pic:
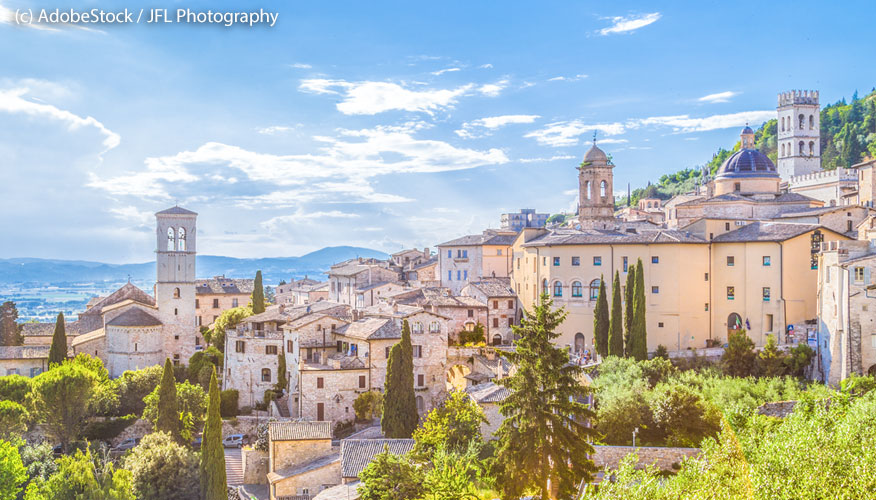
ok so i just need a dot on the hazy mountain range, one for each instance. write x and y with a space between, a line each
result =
274 269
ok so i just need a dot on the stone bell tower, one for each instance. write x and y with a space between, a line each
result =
799 144
596 191
175 280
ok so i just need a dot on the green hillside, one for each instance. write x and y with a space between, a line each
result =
848 135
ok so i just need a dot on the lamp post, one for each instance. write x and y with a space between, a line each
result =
634 436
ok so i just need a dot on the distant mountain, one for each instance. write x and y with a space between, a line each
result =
274 269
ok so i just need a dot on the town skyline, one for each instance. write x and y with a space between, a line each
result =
391 136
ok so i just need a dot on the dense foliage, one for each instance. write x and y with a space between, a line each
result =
83 476
452 426
168 408
10 330
212 464
190 398
258 294
61 398
228 320
400 415
162 469
601 320
368 405
616 321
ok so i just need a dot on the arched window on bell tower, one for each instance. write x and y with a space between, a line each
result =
171 244
181 244
587 189
602 189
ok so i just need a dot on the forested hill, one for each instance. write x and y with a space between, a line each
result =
848 135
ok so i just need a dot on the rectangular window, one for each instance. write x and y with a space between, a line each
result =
471 313
576 261
769 322
199 321
707 276
240 346
495 322
655 259
421 380
458 275
597 261
655 289
660 325
859 275
290 346
707 307
766 260
731 293
726 226
270 349
449 275
234 303
626 264
340 346
544 261
495 304
510 304
510 322
418 351
319 383
309 354
197 303
731 261
361 381
498 251
450 254
465 275
387 353
556 261
518 263
766 294
215 303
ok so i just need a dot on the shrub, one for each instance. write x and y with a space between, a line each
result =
134 385
228 402
858 385
163 469
190 397
13 419
661 352
245 410
739 356
108 429
343 429
657 369
269 396
799 359
368 405
14 388
476 336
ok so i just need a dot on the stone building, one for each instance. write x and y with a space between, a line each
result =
410 257
218 294
298 292
130 329
348 280
846 328
424 273
26 360
502 310
799 145
251 355
527 217
489 396
464 312
473 257
866 192
301 459
596 191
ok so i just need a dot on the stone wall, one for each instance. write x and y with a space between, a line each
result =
779 409
664 458
255 467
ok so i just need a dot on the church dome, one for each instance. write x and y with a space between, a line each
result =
747 163
595 155
747 130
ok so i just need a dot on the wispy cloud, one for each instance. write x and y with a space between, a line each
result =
13 101
566 133
545 160
493 89
485 66
685 124
568 78
475 128
274 129
446 70
370 98
628 24
300 66
718 97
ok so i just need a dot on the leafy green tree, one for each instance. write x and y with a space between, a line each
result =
616 323
162 469
858 385
453 475
390 477
282 381
800 357
661 352
739 357
601 320
230 399
629 311
134 385
83 476
228 320
639 347
10 330
682 417
474 337
772 360
60 398
189 397
453 426
544 438
258 295
58 351
368 405
39 461
15 388
212 466
168 409
399 401
13 419
12 471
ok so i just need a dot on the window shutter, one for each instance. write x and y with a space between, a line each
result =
866 275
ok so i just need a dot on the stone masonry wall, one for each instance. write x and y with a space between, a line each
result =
664 458
255 467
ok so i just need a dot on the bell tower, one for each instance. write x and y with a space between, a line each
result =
596 190
799 144
176 234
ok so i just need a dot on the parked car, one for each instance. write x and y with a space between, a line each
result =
234 441
127 444
196 443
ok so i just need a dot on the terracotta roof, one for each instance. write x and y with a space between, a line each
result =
221 284
351 269
488 392
601 237
356 454
87 337
488 237
805 212
177 210
308 319
272 313
494 287
296 470
134 317
433 296
126 292
766 231
299 431
427 263
371 329
372 286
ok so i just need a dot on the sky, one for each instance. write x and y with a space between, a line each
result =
380 124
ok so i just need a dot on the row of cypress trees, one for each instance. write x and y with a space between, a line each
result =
620 334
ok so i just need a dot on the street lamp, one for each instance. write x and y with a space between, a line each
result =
634 436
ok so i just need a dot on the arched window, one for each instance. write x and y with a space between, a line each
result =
602 187
181 242
558 289
418 327
544 284
594 289
497 339
801 147
171 246
266 374
802 120
783 149
734 322
176 293
587 189
434 327
811 122
577 289
811 148
580 343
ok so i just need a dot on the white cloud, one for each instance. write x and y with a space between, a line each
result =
568 78
442 71
628 24
493 89
132 214
274 129
684 123
7 16
566 133
545 160
300 66
485 66
12 101
471 130
719 97
369 98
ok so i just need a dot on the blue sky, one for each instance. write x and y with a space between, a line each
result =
382 124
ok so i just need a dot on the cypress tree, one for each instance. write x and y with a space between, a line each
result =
58 351
258 294
544 439
616 327
281 371
400 416
601 320
628 310
639 335
212 466
168 407
10 330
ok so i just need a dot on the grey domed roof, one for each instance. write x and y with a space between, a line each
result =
747 163
747 130
595 154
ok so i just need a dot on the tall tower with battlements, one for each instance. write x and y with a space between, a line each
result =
799 149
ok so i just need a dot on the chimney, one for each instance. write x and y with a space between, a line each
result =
281 308
426 253
394 307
